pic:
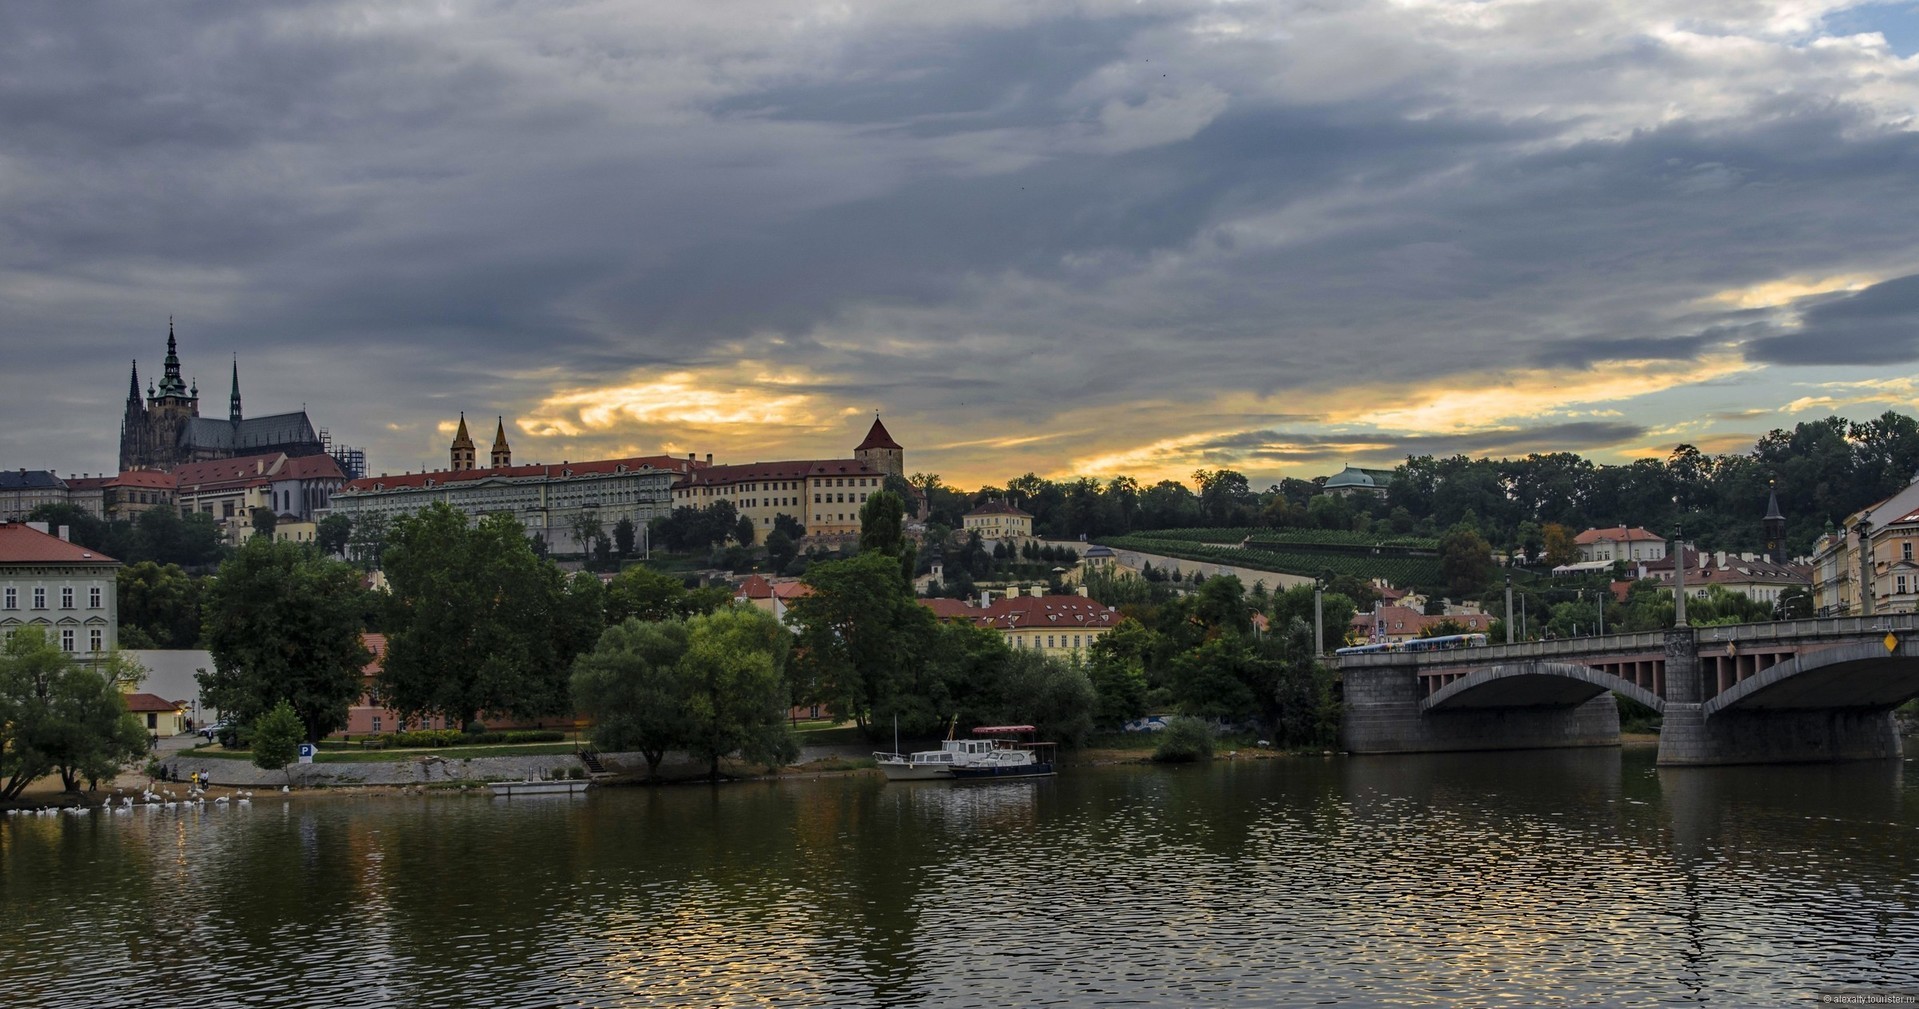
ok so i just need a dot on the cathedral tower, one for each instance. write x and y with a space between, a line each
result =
463 451
502 452
880 451
233 401
133 426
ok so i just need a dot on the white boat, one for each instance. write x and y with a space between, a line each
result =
1015 754
930 764
560 786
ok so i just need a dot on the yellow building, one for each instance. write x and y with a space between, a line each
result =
824 495
1056 625
157 715
997 520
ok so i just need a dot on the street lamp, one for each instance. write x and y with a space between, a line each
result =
1678 579
1509 607
1319 618
1864 529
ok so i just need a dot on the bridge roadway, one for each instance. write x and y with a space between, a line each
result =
1800 690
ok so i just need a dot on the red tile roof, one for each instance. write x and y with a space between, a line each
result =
794 469
595 467
997 508
145 478
757 587
249 470
139 703
1403 620
876 437
22 544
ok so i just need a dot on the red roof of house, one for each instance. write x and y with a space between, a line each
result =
145 478
1065 612
876 437
249 470
997 507
84 483
595 467
139 703
22 544
1617 534
794 469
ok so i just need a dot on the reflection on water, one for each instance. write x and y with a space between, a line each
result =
1569 877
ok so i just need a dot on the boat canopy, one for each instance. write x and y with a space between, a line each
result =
1003 730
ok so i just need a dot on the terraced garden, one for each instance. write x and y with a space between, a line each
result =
1401 561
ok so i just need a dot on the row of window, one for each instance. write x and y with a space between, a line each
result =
70 639
775 485
10 598
1063 643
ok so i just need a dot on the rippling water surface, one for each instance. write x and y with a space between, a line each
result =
1554 878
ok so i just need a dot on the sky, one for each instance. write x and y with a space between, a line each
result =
1084 238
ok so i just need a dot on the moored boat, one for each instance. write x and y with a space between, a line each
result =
1015 754
928 765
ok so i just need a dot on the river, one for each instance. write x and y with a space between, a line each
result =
1540 878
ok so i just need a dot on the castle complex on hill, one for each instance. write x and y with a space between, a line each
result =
164 429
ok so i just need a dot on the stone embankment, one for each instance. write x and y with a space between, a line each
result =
420 769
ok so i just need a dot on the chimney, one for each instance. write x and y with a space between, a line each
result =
709 458
1081 592
64 533
986 600
1719 559
1012 592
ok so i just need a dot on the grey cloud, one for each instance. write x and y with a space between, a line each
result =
1878 325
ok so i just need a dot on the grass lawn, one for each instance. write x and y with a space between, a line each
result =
828 734
388 756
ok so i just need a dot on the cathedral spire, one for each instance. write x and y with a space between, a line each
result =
133 390
233 401
170 382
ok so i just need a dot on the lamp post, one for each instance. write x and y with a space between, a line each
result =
1678 580
1509 607
1319 617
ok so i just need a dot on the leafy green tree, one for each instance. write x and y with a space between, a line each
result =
780 551
264 521
159 606
789 525
368 543
743 531
283 624
277 735
734 669
1465 561
861 633
632 686
883 530
1794 604
58 715
332 534
477 623
585 527
641 593
624 534
1559 543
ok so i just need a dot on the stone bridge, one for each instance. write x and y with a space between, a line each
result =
1798 690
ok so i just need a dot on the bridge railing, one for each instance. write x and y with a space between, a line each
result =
1645 641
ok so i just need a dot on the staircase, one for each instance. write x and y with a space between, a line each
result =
592 762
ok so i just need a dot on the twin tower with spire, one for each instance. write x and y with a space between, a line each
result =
466 455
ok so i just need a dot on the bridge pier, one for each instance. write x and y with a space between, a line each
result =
1688 738
1382 715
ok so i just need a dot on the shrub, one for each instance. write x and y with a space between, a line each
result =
434 738
1184 740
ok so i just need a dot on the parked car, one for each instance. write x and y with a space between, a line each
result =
213 731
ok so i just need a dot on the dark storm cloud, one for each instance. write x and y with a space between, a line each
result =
390 211
1279 447
1878 325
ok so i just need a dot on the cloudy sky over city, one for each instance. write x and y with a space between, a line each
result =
1073 238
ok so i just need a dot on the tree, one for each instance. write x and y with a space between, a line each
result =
743 531
264 521
276 738
883 530
780 551
585 527
861 636
476 621
734 669
283 624
631 685
1465 561
641 593
623 536
159 606
789 525
56 714
332 534
1559 543
368 543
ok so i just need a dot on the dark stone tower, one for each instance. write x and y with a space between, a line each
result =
1775 529
880 451
233 401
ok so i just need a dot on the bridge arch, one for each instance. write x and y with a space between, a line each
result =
1534 684
1859 674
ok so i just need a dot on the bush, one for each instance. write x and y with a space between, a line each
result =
435 738
236 737
1184 740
